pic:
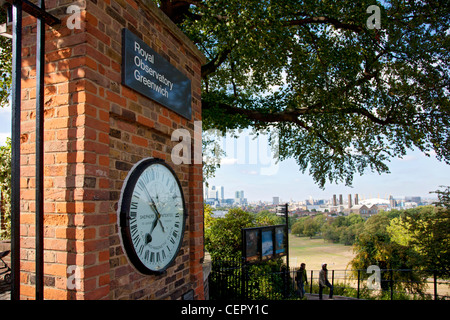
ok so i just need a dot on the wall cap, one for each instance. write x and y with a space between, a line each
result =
152 7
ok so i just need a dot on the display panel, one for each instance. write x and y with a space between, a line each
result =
263 243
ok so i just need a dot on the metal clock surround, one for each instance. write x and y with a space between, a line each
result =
152 216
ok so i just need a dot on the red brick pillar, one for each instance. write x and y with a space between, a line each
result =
95 130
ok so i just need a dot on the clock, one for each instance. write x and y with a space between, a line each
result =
152 216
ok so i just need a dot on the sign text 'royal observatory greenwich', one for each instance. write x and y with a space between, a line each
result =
150 74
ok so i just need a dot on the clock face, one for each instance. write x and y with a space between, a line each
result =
152 216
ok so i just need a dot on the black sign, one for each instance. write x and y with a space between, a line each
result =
150 74
281 210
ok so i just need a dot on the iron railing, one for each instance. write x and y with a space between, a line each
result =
234 280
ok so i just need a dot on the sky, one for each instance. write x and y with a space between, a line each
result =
249 166
262 179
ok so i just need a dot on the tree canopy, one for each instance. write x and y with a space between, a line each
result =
5 190
409 239
5 64
342 94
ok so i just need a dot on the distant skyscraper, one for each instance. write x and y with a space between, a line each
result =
356 199
276 200
334 200
222 193
341 200
349 201
239 197
237 194
205 194
392 201
213 193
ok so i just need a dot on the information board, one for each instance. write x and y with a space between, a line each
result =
148 73
263 243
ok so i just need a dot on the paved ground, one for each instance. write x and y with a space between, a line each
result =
5 290
5 293
325 297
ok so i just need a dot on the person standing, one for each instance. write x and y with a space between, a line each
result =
323 281
301 279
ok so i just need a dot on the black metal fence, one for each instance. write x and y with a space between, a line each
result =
234 280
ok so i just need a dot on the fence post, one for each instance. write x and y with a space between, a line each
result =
392 284
359 277
332 277
310 282
435 284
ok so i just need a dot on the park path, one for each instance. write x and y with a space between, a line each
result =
314 296
5 294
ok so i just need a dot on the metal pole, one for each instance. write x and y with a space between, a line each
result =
40 66
332 277
287 237
392 284
15 147
435 285
287 250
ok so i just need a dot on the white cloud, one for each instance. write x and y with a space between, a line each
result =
225 161
250 172
407 158
3 136
6 108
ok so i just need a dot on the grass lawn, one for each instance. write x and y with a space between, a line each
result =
314 252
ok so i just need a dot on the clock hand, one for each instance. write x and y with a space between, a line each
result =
158 215
148 236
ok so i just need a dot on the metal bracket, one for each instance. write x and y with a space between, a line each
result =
36 11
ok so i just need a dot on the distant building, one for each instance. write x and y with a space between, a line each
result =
363 210
239 198
417 200
392 202
276 200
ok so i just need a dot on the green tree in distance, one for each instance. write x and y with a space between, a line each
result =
5 190
340 96
223 237
5 64
426 230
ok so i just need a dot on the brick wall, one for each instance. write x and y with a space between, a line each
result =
95 130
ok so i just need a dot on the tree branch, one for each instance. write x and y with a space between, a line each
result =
215 63
324 20
283 116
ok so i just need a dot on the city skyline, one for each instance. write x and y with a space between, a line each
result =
220 195
413 175
262 178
